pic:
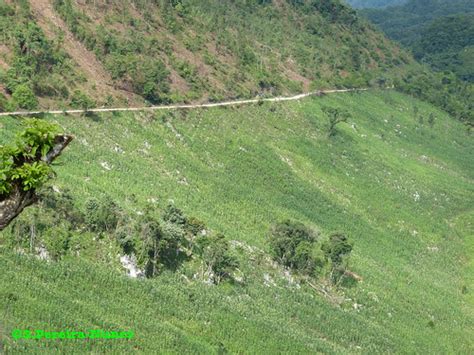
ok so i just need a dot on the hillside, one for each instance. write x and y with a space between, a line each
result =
439 33
399 183
86 53
447 43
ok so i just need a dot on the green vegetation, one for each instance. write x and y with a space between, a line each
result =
335 116
447 43
401 191
291 245
177 51
439 33
23 164
37 66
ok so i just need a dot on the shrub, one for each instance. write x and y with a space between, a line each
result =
290 244
81 100
124 235
215 254
194 226
56 240
337 249
101 215
174 215
24 97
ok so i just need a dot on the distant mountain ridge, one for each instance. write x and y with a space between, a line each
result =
440 33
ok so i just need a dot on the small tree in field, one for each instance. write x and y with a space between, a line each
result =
335 116
81 101
23 97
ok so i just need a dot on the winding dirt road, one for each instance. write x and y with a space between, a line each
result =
182 106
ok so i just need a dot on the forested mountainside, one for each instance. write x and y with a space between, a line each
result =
360 4
447 43
439 32
83 53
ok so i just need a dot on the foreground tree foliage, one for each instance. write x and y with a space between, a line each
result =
25 166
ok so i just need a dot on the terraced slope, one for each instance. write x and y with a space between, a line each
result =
401 189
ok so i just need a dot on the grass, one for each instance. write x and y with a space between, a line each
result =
401 190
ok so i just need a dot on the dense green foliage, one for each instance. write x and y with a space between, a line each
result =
447 43
303 250
441 39
290 244
401 189
433 32
444 90
217 257
22 165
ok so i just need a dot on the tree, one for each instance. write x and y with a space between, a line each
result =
24 167
336 116
216 256
161 244
81 100
337 250
290 244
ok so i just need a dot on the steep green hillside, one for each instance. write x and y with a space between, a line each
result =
398 178
404 23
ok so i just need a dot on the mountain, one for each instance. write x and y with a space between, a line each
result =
447 43
440 33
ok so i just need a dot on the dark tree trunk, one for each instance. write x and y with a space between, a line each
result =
13 204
